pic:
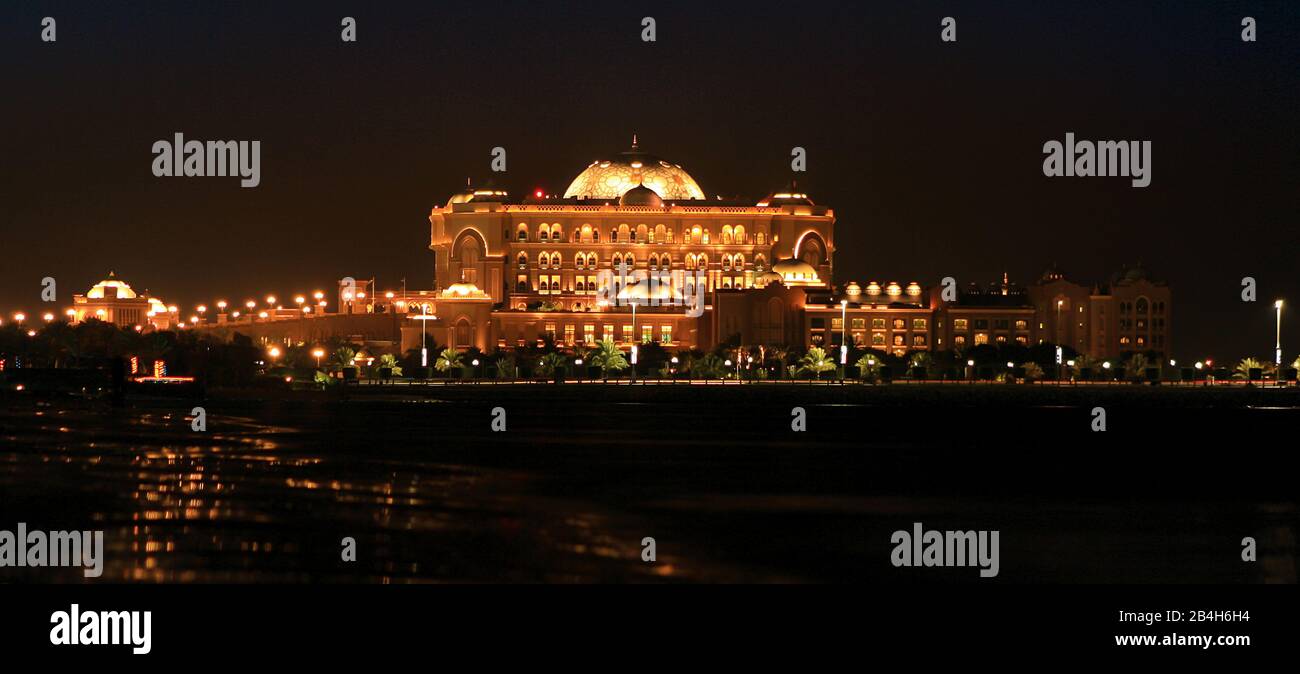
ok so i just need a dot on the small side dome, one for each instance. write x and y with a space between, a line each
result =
914 289
796 272
873 289
853 290
893 289
462 289
641 196
786 196
767 277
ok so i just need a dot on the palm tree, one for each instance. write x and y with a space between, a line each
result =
344 356
816 362
1136 366
1245 366
709 366
869 367
506 367
390 361
922 359
448 360
609 358
1032 371
547 364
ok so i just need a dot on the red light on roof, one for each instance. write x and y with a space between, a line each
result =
539 194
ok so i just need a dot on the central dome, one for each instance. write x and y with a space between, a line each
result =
612 178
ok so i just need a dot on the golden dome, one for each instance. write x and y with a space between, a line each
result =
96 291
612 178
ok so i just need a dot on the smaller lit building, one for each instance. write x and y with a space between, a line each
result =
114 301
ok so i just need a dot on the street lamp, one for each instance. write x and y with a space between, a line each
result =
318 354
221 306
844 337
270 300
20 317
1278 344
48 317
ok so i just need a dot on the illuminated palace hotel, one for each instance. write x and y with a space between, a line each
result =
577 268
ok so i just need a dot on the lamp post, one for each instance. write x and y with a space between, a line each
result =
844 337
634 343
1278 344
318 354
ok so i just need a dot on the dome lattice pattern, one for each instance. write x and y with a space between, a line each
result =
611 178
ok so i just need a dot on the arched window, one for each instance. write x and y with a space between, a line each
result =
726 261
555 260
595 235
521 286
761 238
740 234
624 234
543 232
630 260
697 234
760 262
579 261
586 233
469 256
705 239
690 261
1142 306
739 262
726 236
642 233
522 259
557 232
522 234
660 235
703 262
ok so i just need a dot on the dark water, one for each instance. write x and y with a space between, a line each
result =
583 473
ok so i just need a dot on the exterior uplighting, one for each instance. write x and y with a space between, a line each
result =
1106 365
970 363
71 313
389 294
270 299
1010 364
172 309
1199 365
1070 363
48 317
234 314
31 333
306 310
250 304
194 320
578 362
318 295
273 352
261 314
1173 363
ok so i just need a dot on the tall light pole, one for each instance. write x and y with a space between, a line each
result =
844 337
1278 344
634 342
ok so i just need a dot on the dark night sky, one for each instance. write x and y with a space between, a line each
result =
930 153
